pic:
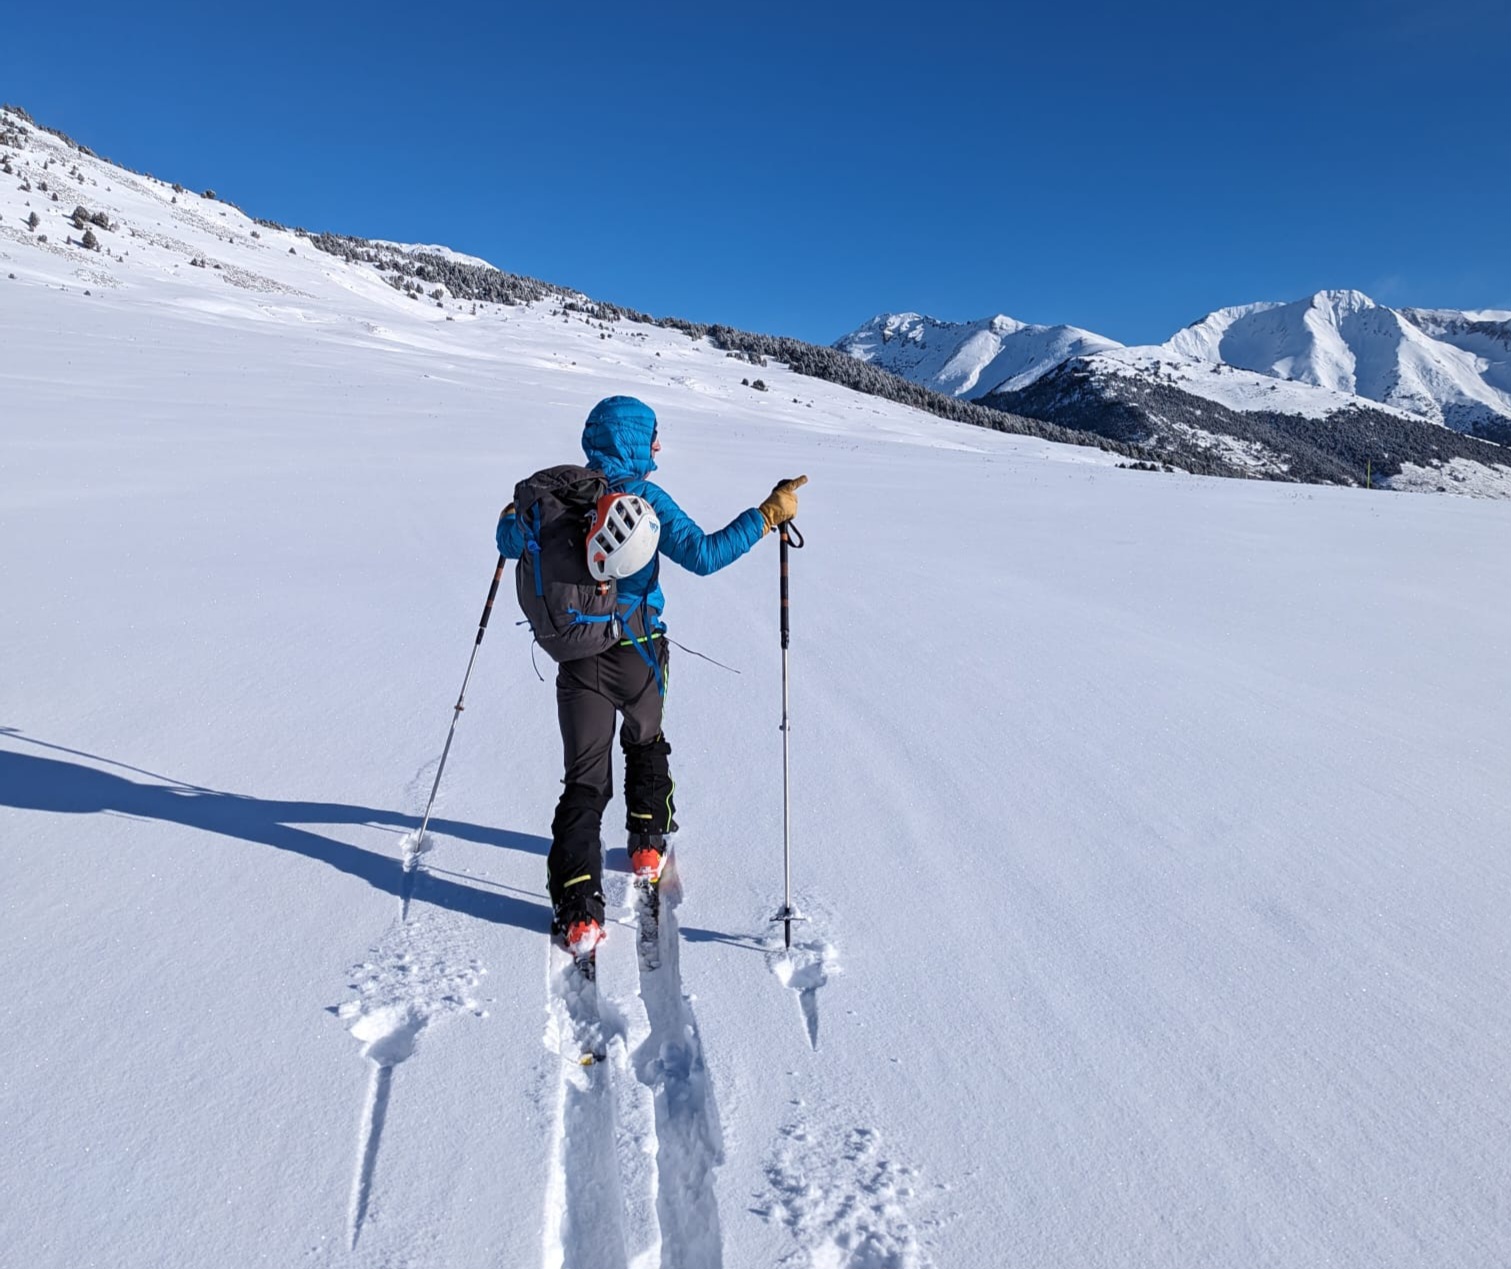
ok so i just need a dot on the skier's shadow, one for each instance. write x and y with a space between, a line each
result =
34 783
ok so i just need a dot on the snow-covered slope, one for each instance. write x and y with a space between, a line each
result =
1237 388
1207 417
1446 367
1157 902
431 249
1484 335
967 359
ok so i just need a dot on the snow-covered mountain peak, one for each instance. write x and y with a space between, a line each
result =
968 359
1435 364
919 328
1002 324
1338 304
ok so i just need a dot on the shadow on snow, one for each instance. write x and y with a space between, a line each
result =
33 783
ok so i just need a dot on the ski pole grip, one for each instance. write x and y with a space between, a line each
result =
786 543
498 574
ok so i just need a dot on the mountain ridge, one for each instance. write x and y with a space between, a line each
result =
1445 366
998 352
150 229
1331 387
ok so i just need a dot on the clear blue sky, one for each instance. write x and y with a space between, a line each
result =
796 168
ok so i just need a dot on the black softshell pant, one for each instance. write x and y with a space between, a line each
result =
589 693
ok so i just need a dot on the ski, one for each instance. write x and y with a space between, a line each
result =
647 891
575 980
648 921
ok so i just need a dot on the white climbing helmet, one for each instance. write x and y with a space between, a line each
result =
623 538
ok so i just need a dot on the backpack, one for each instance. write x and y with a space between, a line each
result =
571 614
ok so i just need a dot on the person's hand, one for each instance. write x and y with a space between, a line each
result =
781 505
506 512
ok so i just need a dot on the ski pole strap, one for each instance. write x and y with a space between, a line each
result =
696 653
498 574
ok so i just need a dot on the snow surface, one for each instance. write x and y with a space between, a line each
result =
1151 828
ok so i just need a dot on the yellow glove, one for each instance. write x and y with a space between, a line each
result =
781 506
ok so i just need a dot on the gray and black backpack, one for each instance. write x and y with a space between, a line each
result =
570 613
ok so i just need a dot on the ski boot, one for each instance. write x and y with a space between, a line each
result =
578 926
647 853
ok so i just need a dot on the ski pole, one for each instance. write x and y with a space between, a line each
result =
790 538
456 712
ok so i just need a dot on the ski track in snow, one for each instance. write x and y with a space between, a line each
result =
584 1200
691 1143
637 1131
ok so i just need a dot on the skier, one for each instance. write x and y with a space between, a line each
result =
620 441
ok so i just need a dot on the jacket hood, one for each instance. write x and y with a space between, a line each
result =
617 439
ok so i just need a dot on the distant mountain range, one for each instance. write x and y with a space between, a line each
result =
1277 388
1440 365
1333 389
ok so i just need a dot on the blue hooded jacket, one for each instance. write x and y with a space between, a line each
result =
617 442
